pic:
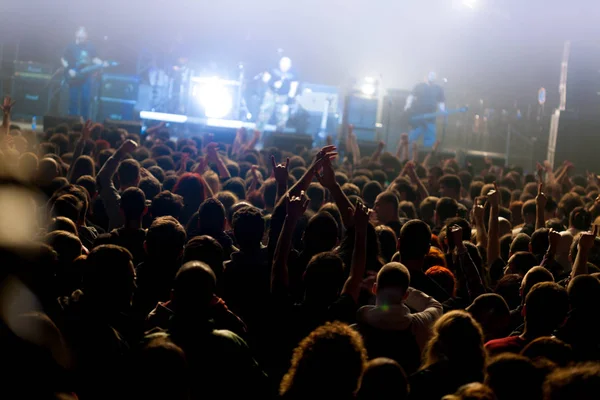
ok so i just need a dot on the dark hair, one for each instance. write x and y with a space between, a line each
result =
193 288
211 217
228 200
446 208
108 277
157 172
492 312
166 203
475 189
166 163
235 186
67 206
316 195
248 227
62 224
206 249
269 191
514 377
547 305
520 243
66 244
408 208
521 262
150 187
133 203
584 292
84 165
165 238
549 348
333 210
341 178
360 181
427 208
390 198
191 187
580 382
88 183
383 378
350 189
415 240
370 192
509 287
324 277
452 182
129 172
327 363
170 182
320 233
387 241
580 219
540 242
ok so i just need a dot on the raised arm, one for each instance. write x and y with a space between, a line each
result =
493 247
296 205
6 109
85 135
377 155
327 179
359 255
478 216
252 143
414 178
586 242
402 145
468 275
213 156
107 190
540 205
281 174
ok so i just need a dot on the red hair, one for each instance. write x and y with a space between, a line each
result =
192 187
443 277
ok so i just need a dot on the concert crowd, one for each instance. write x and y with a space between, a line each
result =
156 267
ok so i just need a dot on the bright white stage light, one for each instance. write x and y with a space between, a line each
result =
368 89
469 3
214 97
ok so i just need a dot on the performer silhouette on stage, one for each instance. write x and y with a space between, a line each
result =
427 97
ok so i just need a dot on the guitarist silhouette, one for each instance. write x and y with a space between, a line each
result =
78 58
426 98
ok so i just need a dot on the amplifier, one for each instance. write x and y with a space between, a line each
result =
115 109
32 70
31 96
122 87
129 126
314 98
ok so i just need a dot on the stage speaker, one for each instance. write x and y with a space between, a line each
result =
580 90
129 126
367 147
123 87
289 142
115 109
476 158
31 95
392 116
574 137
52 121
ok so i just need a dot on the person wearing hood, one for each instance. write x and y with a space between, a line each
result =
399 325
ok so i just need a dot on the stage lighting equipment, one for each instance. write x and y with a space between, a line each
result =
469 3
368 87
214 96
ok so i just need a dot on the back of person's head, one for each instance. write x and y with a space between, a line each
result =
62 224
581 382
540 242
584 293
387 241
190 186
156 353
109 276
521 262
321 233
414 241
546 307
150 187
383 379
445 208
392 282
67 206
350 189
248 228
133 203
458 338
520 243
269 192
333 210
129 173
165 238
228 200
463 223
427 208
236 186
324 276
206 249
328 363
157 172
568 203
370 192
443 277
84 165
475 189
534 276
408 208
472 391
491 311
211 216
193 288
514 377
450 185
166 203
580 219
66 244
88 183
316 195
509 287
549 348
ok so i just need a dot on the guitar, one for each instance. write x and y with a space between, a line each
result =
81 74
422 117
